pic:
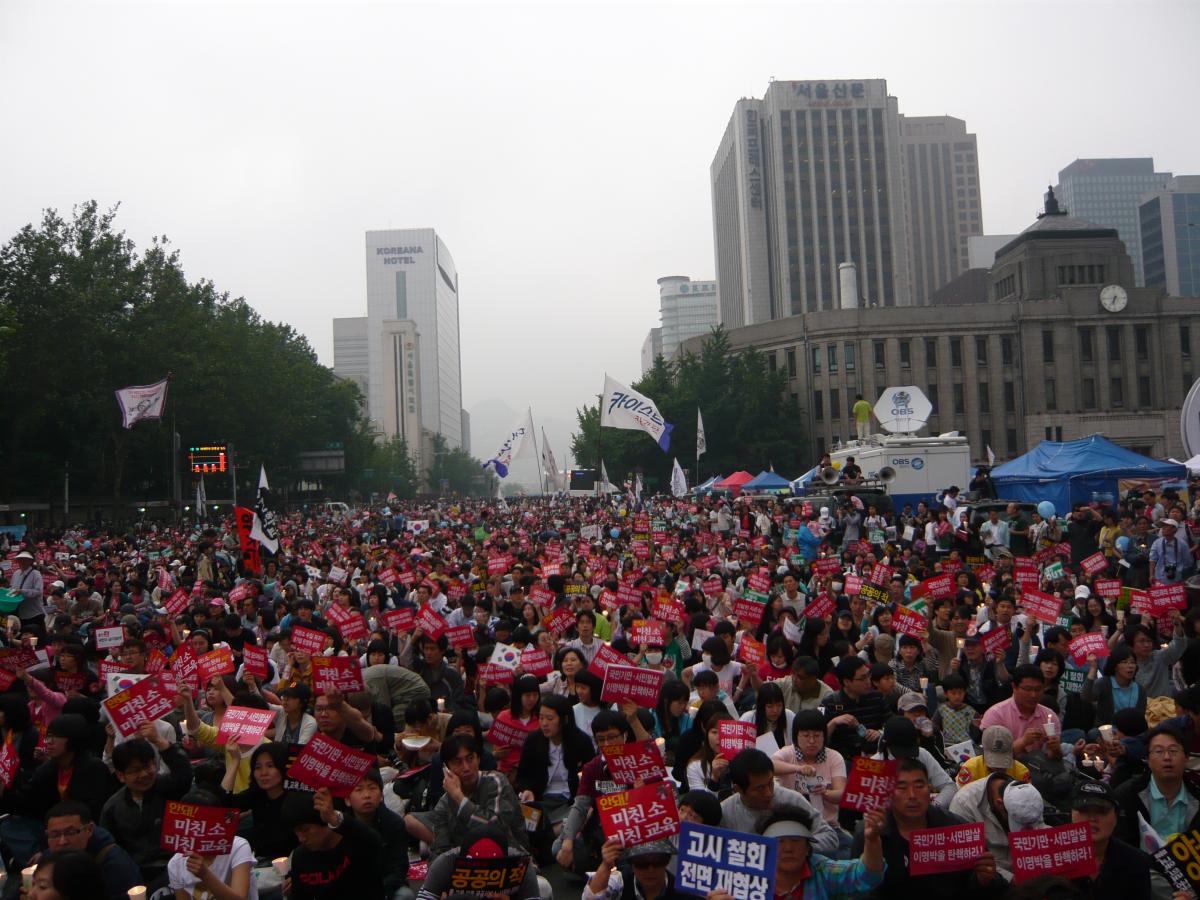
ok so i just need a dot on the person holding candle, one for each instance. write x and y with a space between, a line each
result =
69 875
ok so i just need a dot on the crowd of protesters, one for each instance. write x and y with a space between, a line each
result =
1015 730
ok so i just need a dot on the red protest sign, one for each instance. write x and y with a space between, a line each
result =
177 602
183 665
939 586
505 733
1085 644
870 784
494 673
256 661
668 609
461 637
245 726
308 640
647 631
609 601
204 830
642 686
880 575
629 763
340 673
748 610
1043 607
640 815
430 622
63 681
751 652
9 763
853 585
214 663
559 620
932 851
1028 580
759 581
536 662
399 620
149 699
1067 851
820 606
606 656
1094 563
995 639
733 737
1165 597
542 596
326 763
349 622
14 658
829 565
910 622
1109 588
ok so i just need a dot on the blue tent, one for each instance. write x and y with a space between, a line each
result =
707 487
1073 472
766 481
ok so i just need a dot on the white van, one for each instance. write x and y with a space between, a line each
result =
336 508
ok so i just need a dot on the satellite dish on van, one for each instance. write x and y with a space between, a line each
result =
1189 422
903 410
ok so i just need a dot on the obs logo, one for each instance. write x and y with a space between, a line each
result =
902 403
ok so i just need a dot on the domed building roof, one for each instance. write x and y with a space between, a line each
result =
1055 223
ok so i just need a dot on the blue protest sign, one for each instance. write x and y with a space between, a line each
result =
716 859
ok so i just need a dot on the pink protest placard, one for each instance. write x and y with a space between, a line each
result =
177 602
399 620
214 663
255 661
950 849
308 640
852 586
642 686
606 656
1043 607
870 784
461 637
749 611
204 830
1166 597
647 631
733 737
820 606
640 760
751 652
1068 851
759 581
340 673
640 815
995 639
536 662
1094 563
430 622
149 699
1085 644
910 622
245 726
1108 588
327 763
494 673
508 734
559 620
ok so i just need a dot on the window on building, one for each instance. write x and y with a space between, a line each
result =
1051 394
1010 439
1006 351
835 405
831 357
820 446
1113 336
1006 286
959 406
880 354
905 355
985 401
1185 340
771 361
931 353
1086 351
1010 397
985 438
931 391
1048 346
1141 340
1068 275
1116 392
1054 434
818 406
981 350
1088 392
791 362
956 352
1144 400
816 360
849 357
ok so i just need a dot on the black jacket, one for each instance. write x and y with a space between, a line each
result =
91 784
1125 875
533 771
138 827
1129 804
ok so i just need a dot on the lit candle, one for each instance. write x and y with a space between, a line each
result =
662 744
137 892
282 865
27 876
960 642
924 683
441 704
1162 646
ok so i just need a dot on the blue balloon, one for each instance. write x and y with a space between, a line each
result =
1123 543
615 532
1046 509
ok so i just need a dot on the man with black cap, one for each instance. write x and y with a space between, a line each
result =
1123 872
338 856
901 741
486 843
645 878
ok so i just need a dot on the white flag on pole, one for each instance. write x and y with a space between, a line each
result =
605 487
264 530
144 401
678 480
518 444
991 456
701 441
550 465
623 407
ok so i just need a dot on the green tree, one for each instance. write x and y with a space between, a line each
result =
750 421
458 471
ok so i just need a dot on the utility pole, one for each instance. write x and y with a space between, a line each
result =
600 492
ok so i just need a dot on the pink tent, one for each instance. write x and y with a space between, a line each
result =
734 482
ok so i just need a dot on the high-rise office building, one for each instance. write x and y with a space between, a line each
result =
941 173
1170 236
651 349
1107 192
813 175
411 276
687 308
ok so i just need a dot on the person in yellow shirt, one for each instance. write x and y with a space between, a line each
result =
997 756
862 417
206 735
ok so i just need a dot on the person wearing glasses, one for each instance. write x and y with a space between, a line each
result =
69 826
1160 796
645 871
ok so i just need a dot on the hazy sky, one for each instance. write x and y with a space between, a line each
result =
560 149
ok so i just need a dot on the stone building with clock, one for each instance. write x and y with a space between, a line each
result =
1054 341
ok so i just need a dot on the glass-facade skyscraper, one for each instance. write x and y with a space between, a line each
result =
1170 236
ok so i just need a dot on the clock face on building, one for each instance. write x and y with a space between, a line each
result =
1113 297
